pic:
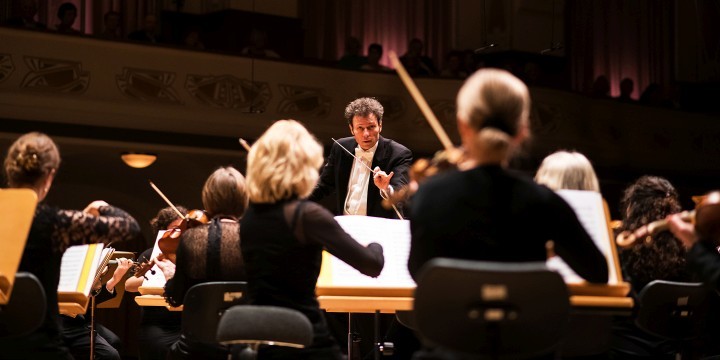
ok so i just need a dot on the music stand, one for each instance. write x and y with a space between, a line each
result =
17 209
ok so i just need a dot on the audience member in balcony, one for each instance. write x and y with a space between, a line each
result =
375 52
352 59
601 87
415 62
470 62
147 33
67 13
626 88
192 40
25 12
258 46
652 95
111 30
454 66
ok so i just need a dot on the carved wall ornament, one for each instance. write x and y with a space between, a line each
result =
148 85
229 92
299 100
53 75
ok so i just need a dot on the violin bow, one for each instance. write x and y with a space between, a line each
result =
420 100
166 199
244 144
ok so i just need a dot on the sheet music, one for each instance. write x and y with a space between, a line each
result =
588 206
158 278
392 234
78 267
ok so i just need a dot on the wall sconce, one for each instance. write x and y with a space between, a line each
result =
138 160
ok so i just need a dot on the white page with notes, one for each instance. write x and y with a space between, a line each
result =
589 208
392 234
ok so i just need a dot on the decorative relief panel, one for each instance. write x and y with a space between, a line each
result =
6 66
298 100
148 85
394 106
229 92
59 76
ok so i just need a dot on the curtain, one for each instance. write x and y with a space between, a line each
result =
620 39
392 24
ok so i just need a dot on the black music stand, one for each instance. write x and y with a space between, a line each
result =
674 311
257 325
499 310
25 310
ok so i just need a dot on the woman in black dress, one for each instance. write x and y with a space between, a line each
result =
284 234
208 253
32 162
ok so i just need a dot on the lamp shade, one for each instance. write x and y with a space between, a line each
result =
138 160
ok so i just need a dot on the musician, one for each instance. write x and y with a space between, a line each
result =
209 252
284 235
702 255
569 170
351 181
648 199
487 213
76 330
32 162
159 327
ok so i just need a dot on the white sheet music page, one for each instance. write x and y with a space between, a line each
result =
158 278
393 235
588 206
78 266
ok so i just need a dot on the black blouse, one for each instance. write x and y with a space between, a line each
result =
282 246
206 253
53 231
486 213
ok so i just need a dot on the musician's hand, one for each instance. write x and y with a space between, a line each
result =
682 230
94 207
122 268
381 179
166 266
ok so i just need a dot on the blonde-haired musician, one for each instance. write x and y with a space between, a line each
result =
284 234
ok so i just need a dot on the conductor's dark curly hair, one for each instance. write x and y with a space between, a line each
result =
648 199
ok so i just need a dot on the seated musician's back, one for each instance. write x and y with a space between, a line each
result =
488 213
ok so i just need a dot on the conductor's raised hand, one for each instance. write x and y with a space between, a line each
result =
382 179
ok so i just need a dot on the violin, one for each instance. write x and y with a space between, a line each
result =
170 240
706 218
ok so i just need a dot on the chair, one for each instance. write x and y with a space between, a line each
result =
25 311
674 311
204 305
497 310
257 325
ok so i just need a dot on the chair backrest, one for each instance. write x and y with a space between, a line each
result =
503 310
26 308
269 325
204 305
674 310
